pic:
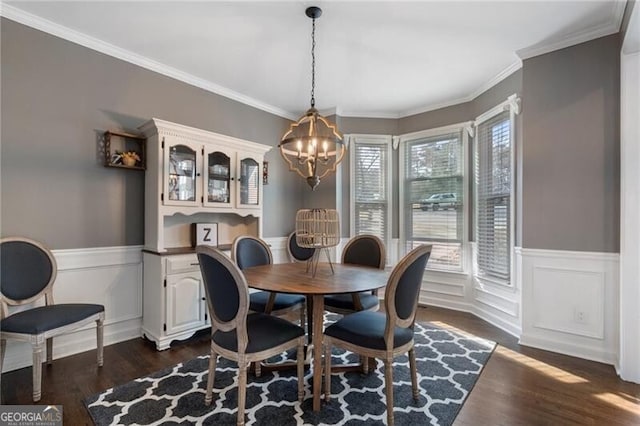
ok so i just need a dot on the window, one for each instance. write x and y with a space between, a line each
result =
370 158
494 182
432 195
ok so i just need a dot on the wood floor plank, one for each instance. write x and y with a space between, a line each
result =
518 386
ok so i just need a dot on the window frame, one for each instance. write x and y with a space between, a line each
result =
464 128
512 105
384 140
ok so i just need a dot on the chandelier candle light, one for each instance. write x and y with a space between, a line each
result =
312 146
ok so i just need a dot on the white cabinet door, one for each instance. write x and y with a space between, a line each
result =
182 173
184 302
249 181
219 179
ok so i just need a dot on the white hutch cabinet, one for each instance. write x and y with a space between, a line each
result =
192 176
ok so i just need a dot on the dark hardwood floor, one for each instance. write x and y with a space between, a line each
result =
518 386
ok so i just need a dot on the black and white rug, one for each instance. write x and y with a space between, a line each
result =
448 364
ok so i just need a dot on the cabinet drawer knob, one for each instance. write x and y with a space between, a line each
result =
195 264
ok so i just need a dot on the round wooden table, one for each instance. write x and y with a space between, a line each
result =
294 278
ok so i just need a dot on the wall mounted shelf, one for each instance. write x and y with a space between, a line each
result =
116 142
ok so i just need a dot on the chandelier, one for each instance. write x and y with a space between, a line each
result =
312 146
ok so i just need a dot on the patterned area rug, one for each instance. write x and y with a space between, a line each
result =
448 363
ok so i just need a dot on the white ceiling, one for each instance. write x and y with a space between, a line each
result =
373 58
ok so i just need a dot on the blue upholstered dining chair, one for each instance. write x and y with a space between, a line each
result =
235 333
28 271
297 253
384 334
365 250
248 251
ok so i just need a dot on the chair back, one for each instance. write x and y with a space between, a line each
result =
226 291
403 288
297 253
366 250
248 251
27 271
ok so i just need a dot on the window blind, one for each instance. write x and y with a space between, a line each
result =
433 198
371 189
493 204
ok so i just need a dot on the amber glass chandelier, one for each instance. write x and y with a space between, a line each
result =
312 146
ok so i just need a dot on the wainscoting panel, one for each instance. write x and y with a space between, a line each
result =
278 246
446 290
111 276
570 303
498 303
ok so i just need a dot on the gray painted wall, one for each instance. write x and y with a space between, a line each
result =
571 148
58 98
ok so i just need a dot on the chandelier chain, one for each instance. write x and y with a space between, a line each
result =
313 63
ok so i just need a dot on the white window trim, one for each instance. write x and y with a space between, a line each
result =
377 140
464 127
512 104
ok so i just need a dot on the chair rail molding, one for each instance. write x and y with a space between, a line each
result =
111 276
570 303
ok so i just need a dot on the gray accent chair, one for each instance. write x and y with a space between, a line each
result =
384 334
237 334
365 250
28 271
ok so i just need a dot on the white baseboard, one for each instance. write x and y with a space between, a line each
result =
110 276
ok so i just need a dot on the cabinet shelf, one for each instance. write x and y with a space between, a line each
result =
116 142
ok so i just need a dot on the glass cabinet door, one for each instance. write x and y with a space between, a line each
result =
181 174
218 179
249 182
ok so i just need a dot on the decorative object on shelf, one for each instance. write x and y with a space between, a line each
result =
318 229
312 146
124 150
205 234
129 158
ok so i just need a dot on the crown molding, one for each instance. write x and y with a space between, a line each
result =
497 78
33 21
84 40
432 107
611 27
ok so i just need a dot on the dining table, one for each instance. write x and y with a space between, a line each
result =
296 278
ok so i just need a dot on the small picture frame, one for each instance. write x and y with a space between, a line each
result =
204 234
265 173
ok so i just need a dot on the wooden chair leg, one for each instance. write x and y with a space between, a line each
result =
213 358
49 350
300 361
38 348
364 361
3 349
414 373
242 389
303 316
257 367
327 371
388 378
100 340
